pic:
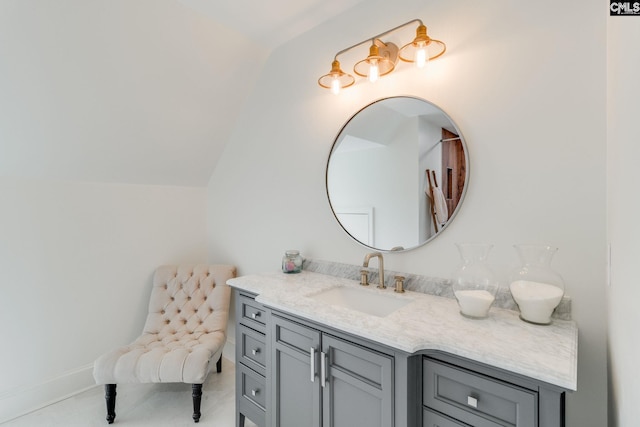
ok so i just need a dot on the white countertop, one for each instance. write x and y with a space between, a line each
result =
546 353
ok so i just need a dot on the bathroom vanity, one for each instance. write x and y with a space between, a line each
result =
309 353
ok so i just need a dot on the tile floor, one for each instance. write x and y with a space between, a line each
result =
144 405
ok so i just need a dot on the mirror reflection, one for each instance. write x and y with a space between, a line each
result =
397 173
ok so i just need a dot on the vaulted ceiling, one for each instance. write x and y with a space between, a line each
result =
141 92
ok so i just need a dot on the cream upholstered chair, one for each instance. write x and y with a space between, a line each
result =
183 335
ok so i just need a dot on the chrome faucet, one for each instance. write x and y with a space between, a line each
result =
378 255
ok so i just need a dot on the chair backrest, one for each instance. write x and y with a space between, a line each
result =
189 299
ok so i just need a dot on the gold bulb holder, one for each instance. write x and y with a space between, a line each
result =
435 48
344 79
385 55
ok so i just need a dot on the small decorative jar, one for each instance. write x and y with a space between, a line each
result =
535 287
292 262
474 283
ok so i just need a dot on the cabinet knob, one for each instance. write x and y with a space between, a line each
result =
255 315
255 351
472 401
255 391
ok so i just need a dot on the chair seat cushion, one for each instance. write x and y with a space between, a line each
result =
182 357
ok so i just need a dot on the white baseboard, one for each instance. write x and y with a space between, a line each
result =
22 400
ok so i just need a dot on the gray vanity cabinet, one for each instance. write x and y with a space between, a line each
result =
292 372
318 379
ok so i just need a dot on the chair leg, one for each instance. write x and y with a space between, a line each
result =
219 365
197 398
110 397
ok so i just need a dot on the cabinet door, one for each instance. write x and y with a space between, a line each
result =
295 385
358 387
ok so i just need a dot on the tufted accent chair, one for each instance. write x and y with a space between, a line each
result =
183 335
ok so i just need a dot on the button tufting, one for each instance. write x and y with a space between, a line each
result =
162 312
167 321
188 298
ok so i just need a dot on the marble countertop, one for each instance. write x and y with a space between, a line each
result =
428 322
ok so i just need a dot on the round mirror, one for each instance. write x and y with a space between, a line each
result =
397 173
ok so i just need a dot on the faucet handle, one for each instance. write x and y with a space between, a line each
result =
399 284
364 278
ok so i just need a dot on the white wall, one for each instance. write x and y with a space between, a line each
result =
118 90
624 210
526 84
76 262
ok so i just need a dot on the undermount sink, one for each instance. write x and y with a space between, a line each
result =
363 300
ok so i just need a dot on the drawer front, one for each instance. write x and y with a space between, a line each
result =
252 387
252 313
360 363
476 399
433 419
253 350
295 336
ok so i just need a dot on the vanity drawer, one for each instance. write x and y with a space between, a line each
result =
252 313
475 399
252 388
253 349
434 419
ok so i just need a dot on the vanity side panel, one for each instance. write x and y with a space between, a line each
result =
408 389
551 407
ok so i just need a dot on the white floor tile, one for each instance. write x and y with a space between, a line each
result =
144 405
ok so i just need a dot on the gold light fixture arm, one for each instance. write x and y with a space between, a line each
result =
372 39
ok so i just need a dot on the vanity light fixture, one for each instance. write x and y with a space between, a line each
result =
383 57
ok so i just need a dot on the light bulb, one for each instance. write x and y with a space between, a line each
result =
335 86
421 57
374 72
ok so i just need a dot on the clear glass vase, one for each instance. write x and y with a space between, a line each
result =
535 287
474 283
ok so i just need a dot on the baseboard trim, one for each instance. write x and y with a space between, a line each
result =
22 400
